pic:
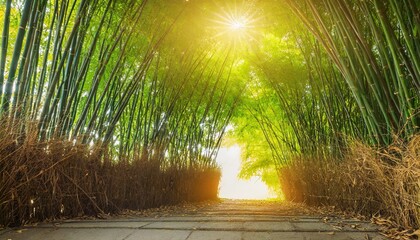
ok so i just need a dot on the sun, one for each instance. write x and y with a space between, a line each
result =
233 26
237 24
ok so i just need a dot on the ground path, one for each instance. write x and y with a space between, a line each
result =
230 220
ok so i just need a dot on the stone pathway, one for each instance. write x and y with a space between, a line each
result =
230 220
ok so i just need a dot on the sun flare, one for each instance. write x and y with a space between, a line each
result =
236 24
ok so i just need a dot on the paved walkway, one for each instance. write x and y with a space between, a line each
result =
230 220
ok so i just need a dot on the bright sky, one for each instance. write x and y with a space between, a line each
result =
231 186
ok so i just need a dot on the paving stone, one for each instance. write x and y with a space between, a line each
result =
299 219
222 225
152 234
28 234
256 235
312 226
103 224
367 235
173 225
327 236
215 235
68 234
272 236
4 231
268 226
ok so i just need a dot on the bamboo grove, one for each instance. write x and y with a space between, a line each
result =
95 83
103 80
358 79
338 105
110 104
375 48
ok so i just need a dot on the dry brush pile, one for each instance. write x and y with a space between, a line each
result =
57 179
369 181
